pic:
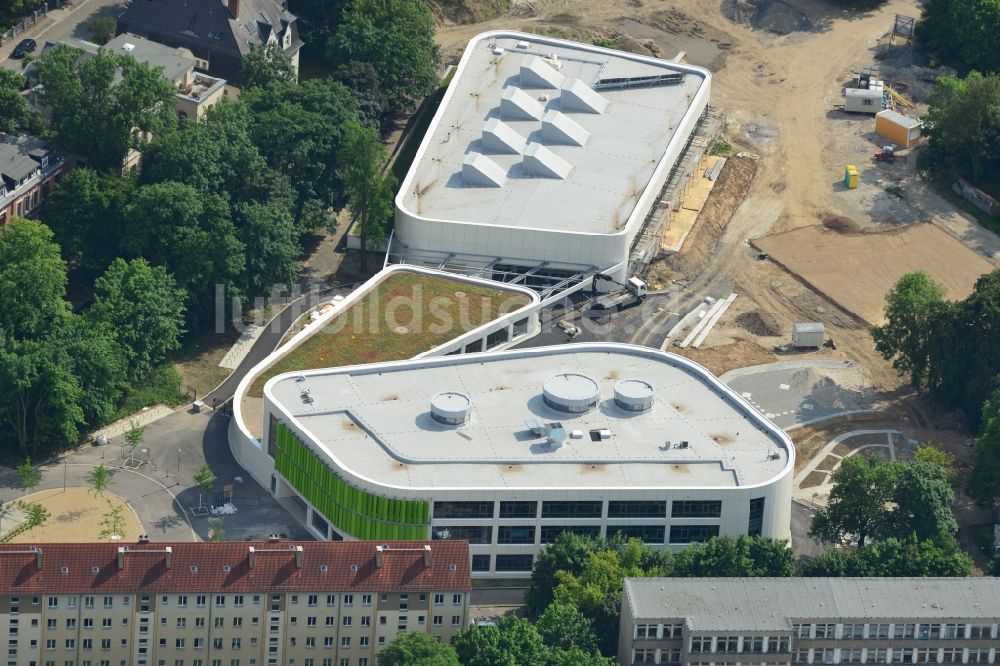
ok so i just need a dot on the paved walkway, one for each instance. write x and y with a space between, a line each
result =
818 495
797 393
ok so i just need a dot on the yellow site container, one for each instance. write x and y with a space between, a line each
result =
851 177
901 130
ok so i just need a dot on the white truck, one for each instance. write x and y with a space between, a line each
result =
630 292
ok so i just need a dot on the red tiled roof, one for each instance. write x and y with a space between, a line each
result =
82 568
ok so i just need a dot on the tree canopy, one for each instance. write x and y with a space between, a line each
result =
369 184
417 649
965 125
962 33
15 114
103 105
396 37
265 66
893 557
984 482
909 308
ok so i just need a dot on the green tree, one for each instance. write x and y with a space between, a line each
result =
15 115
362 80
569 552
930 453
270 240
910 306
301 130
857 505
741 557
369 186
892 557
397 38
417 649
99 479
32 280
512 641
205 479
192 235
41 399
133 438
578 657
984 482
112 523
88 213
98 363
102 29
964 129
103 105
27 475
37 515
922 498
563 627
266 66
6 508
143 308
961 32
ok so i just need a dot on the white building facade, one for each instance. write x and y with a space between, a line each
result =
546 154
509 449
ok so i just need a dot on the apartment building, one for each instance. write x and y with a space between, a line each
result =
227 603
779 621
29 170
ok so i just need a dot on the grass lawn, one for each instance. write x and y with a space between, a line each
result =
403 315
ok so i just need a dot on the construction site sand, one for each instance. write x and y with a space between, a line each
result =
856 271
76 515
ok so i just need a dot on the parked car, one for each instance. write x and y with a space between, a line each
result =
23 48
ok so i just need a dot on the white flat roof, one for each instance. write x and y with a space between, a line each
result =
611 139
375 422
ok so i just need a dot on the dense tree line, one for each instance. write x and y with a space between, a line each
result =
961 33
382 50
948 348
12 10
964 128
61 371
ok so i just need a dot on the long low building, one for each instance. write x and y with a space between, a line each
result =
236 603
546 156
509 449
706 621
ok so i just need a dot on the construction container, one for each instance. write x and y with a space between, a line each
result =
808 335
901 130
851 177
864 100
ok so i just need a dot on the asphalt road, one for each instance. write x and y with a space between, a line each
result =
802 544
70 20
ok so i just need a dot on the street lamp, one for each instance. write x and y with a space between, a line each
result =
178 466
65 468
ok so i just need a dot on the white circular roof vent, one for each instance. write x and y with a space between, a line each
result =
571 392
451 407
634 395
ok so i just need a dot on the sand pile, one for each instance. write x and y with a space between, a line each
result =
774 16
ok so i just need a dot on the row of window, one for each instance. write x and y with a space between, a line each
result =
753 644
588 509
898 631
525 534
326 661
201 600
893 656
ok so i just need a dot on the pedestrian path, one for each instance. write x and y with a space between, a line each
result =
817 495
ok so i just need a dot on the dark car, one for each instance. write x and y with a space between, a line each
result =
24 47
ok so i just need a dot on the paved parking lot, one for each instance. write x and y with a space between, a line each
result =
796 393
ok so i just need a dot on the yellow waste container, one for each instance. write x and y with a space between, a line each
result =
851 177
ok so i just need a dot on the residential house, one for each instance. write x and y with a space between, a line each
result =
29 170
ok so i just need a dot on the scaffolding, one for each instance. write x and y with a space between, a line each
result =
903 27
647 242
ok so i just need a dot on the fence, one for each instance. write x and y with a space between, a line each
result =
30 21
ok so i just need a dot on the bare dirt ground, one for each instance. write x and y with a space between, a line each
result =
75 515
822 257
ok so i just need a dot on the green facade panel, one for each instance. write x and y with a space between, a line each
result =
351 510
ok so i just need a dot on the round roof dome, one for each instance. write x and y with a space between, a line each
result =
635 395
451 407
571 392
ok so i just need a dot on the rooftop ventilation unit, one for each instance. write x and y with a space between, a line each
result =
578 96
557 435
128 47
634 395
542 162
515 104
571 392
559 128
536 73
499 137
451 407
480 171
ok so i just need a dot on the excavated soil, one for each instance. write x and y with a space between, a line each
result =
760 323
